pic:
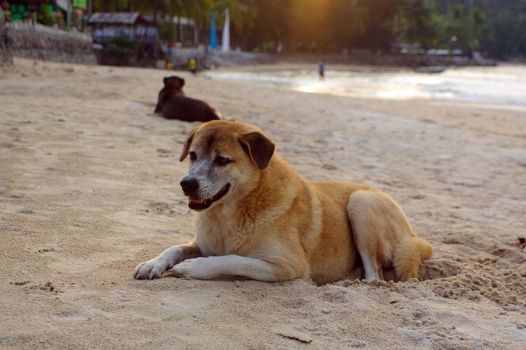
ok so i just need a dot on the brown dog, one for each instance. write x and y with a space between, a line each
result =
173 104
259 219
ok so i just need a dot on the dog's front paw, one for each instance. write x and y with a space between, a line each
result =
154 268
151 269
197 268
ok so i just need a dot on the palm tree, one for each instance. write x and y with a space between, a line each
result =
242 13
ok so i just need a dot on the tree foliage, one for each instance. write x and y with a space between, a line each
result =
417 23
495 27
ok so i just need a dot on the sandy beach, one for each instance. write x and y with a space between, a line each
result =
89 187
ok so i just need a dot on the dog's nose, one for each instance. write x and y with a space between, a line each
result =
189 185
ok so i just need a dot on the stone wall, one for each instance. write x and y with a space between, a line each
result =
50 44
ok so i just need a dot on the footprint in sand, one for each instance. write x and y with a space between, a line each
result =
167 209
164 153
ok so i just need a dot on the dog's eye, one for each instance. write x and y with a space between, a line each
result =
220 160
193 156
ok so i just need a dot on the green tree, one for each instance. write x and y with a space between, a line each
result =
505 37
242 13
494 27
463 27
270 25
416 23
380 14
349 21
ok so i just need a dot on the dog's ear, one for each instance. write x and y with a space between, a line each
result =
166 80
258 147
187 144
181 82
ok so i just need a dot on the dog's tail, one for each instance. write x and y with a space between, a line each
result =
408 256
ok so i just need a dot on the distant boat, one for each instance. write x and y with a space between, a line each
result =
431 69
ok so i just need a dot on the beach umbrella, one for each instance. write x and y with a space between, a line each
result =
213 32
225 43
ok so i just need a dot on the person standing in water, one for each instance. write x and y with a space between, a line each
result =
321 69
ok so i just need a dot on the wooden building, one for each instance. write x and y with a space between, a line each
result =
124 38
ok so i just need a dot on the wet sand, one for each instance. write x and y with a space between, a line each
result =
89 188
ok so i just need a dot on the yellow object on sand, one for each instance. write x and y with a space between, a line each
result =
192 64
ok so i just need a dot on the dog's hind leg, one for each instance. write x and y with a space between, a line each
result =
384 237
408 256
365 229
370 265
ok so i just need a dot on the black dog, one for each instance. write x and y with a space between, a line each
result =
173 104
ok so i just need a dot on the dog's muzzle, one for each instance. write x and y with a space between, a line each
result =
197 203
189 186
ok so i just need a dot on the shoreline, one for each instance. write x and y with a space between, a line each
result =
470 85
234 58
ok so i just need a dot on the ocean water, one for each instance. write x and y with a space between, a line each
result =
501 85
